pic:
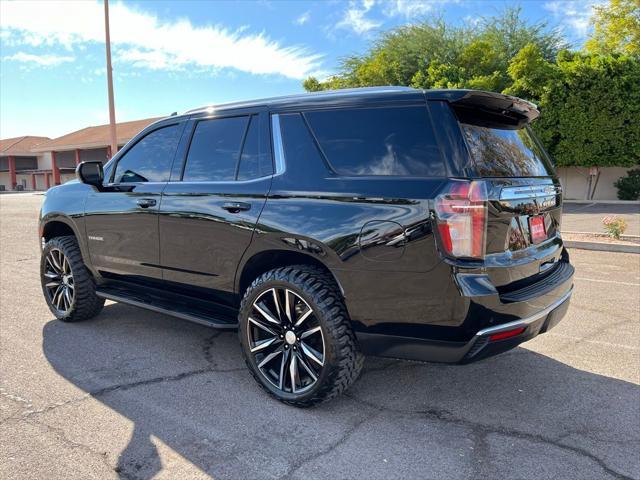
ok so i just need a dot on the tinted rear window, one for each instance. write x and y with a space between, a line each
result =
378 141
505 153
215 148
254 161
297 142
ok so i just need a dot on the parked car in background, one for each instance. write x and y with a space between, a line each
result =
324 227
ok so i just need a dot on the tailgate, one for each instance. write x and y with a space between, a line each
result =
524 196
514 251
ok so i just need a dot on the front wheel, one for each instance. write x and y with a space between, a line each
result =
296 337
67 285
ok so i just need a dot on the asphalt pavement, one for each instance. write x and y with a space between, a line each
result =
137 395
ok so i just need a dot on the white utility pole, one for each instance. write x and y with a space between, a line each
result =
112 111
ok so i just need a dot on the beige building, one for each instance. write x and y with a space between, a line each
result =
20 167
88 144
37 163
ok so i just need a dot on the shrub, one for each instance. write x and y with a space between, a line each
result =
614 226
629 186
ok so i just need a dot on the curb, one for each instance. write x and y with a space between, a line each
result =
601 202
631 238
602 247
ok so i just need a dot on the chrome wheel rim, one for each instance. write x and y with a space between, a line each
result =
286 340
58 280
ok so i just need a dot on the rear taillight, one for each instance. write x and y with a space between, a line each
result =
461 214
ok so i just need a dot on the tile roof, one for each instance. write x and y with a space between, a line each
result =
20 146
95 137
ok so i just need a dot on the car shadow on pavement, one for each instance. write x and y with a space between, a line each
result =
185 387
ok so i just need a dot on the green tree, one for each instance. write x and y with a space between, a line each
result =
435 55
439 75
590 111
616 28
509 33
311 84
530 73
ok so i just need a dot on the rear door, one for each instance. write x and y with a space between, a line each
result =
122 219
210 208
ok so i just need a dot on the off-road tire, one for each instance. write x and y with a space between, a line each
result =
343 359
86 304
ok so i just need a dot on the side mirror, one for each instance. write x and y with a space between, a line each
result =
90 173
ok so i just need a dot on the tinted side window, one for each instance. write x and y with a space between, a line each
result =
297 142
214 150
150 159
378 141
254 161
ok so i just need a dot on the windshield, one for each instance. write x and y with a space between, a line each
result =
500 152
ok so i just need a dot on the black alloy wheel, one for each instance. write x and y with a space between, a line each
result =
286 340
58 281
296 335
67 284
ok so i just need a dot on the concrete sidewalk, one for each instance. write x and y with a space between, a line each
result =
581 217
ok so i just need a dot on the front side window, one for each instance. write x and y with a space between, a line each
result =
150 159
215 149
378 141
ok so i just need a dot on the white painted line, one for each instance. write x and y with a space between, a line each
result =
597 342
607 281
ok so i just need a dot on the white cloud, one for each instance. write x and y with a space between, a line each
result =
142 39
573 14
304 18
355 18
412 8
42 60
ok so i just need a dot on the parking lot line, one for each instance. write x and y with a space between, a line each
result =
607 281
598 342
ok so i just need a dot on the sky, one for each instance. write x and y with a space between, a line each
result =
171 56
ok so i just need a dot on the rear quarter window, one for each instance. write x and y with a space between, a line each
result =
396 141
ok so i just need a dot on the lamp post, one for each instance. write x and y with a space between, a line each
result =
112 112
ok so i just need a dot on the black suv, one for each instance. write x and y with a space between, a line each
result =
385 221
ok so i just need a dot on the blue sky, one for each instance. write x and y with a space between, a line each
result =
175 55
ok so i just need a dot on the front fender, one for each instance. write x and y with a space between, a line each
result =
65 205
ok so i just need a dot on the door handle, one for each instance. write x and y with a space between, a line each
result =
235 207
146 202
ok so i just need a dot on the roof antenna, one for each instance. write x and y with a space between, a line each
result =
173 114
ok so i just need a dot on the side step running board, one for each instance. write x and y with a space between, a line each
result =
151 302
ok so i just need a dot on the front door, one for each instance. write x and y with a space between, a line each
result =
122 220
208 214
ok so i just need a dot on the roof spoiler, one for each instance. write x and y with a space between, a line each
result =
496 108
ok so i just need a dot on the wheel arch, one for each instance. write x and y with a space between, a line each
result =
57 225
266 260
56 228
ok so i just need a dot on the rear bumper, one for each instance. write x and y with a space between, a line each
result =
480 346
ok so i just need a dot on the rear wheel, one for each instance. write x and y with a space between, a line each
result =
67 285
296 337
